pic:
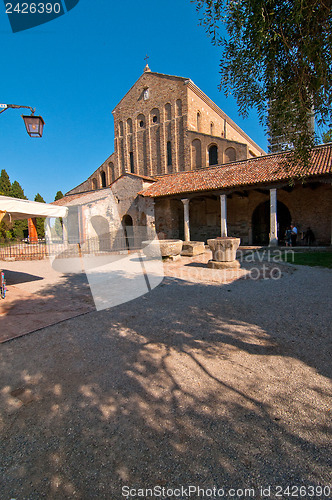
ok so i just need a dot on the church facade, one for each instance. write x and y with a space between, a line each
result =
183 168
166 124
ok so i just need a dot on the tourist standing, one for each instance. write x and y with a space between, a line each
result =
293 235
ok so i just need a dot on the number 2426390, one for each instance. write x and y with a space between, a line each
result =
33 8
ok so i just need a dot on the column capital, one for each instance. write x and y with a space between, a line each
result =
185 201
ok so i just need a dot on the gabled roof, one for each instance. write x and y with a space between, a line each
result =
161 75
130 174
192 86
83 198
264 169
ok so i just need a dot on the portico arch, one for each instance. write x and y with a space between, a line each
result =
261 222
127 224
101 226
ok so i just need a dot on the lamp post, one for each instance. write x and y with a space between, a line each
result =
33 124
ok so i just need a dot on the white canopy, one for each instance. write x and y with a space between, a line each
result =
15 208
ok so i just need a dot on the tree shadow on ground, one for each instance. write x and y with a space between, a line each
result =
190 384
16 277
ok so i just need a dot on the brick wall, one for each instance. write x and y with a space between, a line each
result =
306 206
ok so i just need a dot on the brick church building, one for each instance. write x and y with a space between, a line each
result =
182 166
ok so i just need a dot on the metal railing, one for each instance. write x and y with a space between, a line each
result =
105 244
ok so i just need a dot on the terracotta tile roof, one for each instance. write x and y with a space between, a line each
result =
130 174
83 198
261 170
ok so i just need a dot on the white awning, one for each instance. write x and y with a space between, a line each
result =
16 208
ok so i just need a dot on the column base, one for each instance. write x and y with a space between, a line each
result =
232 264
192 248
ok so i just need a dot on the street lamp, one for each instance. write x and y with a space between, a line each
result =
33 124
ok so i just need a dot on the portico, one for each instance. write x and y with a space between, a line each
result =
216 224
253 200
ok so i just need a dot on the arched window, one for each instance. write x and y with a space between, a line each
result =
120 129
131 160
178 107
196 154
230 155
103 179
111 171
94 183
198 121
169 153
154 116
140 122
211 128
129 126
168 111
213 155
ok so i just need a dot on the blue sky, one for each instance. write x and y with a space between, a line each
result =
75 69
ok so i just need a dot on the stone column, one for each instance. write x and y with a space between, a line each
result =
223 211
185 202
273 218
65 230
48 235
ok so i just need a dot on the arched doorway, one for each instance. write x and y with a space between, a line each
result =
127 224
261 222
101 226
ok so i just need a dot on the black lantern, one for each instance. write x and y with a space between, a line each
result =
34 125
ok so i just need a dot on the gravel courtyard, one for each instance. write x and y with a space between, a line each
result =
200 384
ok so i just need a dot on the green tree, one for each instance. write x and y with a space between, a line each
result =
58 196
5 185
276 56
58 225
16 191
327 137
20 227
40 221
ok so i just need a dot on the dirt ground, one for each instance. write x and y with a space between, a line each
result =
201 382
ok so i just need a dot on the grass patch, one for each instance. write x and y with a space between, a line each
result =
323 259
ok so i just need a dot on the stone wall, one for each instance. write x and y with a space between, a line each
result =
152 114
95 181
227 150
204 116
306 206
155 126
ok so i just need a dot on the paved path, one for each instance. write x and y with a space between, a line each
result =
39 296
202 384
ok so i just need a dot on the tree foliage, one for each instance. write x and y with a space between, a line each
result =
58 196
20 227
40 221
276 57
327 136
17 191
5 185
